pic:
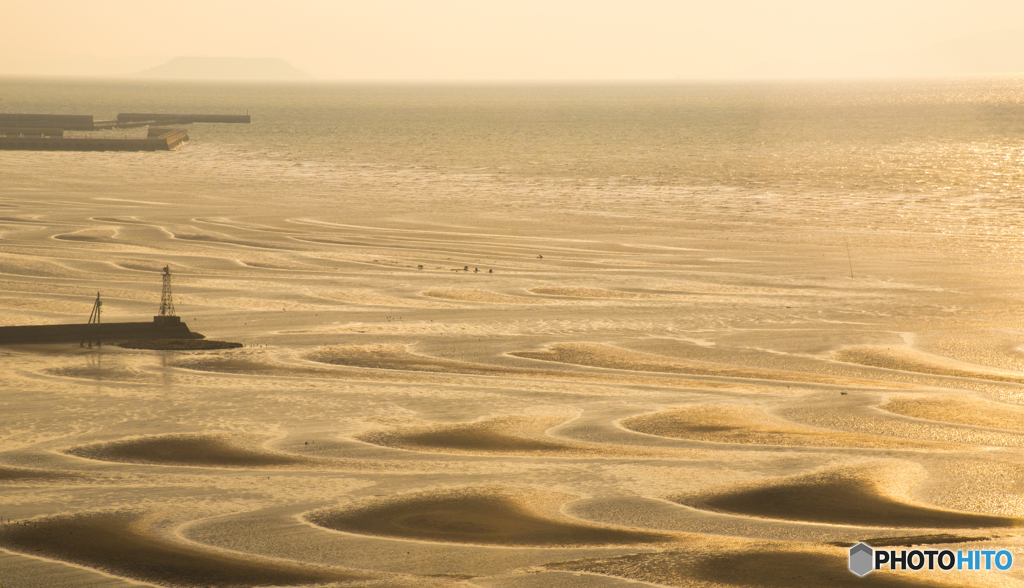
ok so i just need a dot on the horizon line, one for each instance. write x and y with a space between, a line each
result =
133 77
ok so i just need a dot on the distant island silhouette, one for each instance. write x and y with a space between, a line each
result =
225 68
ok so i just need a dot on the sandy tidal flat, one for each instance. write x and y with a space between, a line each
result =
504 359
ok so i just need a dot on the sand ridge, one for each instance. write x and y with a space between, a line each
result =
599 293
199 450
396 358
993 348
24 304
609 357
760 565
235 452
94 235
80 292
504 435
101 374
510 435
476 295
959 410
843 496
909 360
376 298
479 515
214 239
9 474
120 544
746 424
243 365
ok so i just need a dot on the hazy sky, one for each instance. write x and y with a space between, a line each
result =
518 39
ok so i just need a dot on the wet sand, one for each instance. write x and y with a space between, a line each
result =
963 410
603 356
484 516
668 377
838 498
508 436
16 475
909 360
185 450
403 365
773 566
577 292
99 373
473 295
396 357
120 544
737 424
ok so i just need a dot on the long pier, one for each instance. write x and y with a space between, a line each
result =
105 332
126 118
86 122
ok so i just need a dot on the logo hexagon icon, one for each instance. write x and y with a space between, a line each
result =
862 559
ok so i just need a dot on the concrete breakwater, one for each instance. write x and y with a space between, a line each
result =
180 119
173 137
167 140
45 132
86 122
105 332
67 122
30 132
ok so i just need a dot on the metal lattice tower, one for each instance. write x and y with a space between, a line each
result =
166 300
94 319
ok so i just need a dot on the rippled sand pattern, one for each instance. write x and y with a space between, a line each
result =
472 295
838 498
909 361
16 475
184 450
736 424
395 357
400 364
249 366
379 299
604 356
100 373
476 516
510 435
120 544
717 332
592 293
770 566
963 410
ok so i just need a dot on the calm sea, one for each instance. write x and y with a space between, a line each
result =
941 155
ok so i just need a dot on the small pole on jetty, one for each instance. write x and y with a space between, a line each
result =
848 257
94 319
